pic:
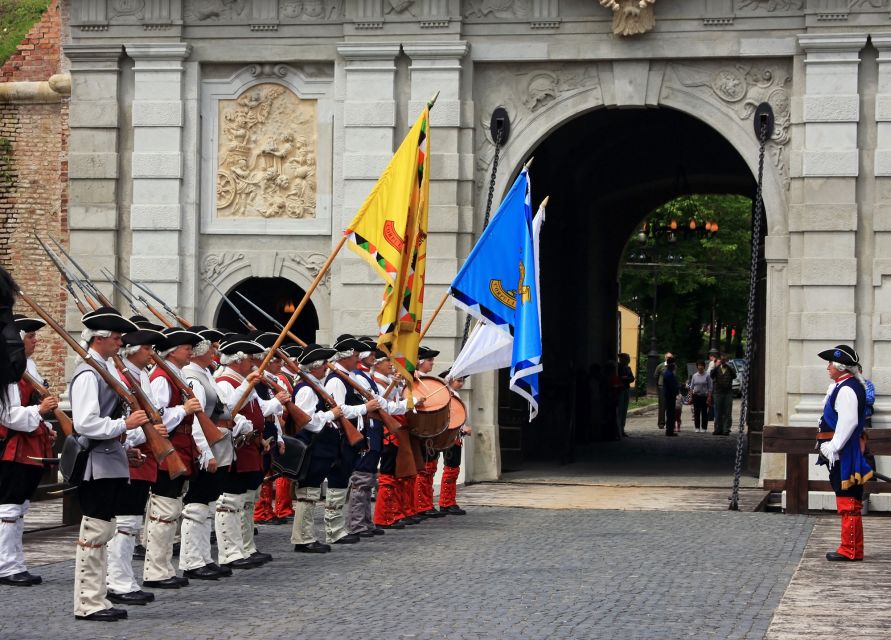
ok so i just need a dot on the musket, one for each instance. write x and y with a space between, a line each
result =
158 443
116 385
86 278
173 314
211 432
67 276
160 316
405 460
41 390
117 286
297 415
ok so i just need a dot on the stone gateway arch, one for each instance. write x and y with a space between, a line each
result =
228 139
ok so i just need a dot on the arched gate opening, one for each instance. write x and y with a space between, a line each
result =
276 296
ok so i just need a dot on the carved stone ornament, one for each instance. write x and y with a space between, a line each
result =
310 10
497 8
631 17
771 6
215 264
267 154
745 87
214 11
310 264
126 8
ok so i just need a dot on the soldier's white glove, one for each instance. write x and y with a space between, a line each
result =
242 426
204 458
828 452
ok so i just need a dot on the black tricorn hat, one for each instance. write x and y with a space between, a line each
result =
843 354
176 336
348 343
206 334
142 336
264 338
26 324
315 352
239 342
424 353
144 323
293 350
107 319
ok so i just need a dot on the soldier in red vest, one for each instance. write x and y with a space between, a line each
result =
120 579
235 508
166 501
423 488
23 433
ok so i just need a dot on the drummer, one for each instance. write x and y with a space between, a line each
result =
452 459
423 489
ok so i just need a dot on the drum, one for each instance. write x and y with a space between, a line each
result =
433 418
291 462
457 419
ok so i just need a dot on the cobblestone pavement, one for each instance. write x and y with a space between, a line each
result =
495 573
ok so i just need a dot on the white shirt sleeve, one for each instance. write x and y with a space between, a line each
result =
336 388
135 437
161 391
270 407
197 433
306 400
846 407
17 417
85 410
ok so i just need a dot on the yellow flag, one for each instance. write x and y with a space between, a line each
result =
390 232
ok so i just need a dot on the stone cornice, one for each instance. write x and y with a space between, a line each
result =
159 51
455 49
368 50
882 42
93 52
832 42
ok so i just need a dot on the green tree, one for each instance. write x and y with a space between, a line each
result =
16 19
689 270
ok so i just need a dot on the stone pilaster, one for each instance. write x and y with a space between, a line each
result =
93 156
368 141
436 67
823 215
157 166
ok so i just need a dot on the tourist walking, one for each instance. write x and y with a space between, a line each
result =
723 376
701 390
670 389
658 373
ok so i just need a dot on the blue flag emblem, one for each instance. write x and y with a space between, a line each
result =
498 284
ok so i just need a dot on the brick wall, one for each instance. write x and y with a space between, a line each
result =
34 184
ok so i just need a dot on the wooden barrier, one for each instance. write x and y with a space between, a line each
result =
798 443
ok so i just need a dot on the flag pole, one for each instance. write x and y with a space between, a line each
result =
528 163
287 328
445 297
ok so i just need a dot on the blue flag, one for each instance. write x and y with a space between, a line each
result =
498 284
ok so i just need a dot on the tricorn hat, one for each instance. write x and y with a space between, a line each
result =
107 319
206 334
315 352
843 354
26 324
293 350
144 323
424 353
176 336
347 343
237 342
142 336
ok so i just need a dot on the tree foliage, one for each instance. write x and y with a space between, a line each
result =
689 271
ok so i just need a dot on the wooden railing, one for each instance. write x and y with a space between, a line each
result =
798 443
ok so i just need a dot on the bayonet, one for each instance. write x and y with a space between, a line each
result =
278 325
154 295
247 323
114 283
86 278
69 277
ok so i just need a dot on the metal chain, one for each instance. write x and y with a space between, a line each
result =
750 321
488 213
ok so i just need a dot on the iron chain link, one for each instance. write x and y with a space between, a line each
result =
750 321
489 200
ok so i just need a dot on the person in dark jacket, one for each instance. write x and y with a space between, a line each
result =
723 376
670 389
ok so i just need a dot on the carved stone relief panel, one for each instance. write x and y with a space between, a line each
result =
269 134
310 10
525 94
743 87
770 6
267 155
217 11
504 9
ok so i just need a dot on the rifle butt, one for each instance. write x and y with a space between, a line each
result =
211 432
352 434
64 421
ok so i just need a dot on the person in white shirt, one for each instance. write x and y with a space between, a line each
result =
23 436
701 388
96 415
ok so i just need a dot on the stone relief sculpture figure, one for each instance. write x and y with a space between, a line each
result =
266 150
631 17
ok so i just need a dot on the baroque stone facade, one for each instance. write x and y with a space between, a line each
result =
170 96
